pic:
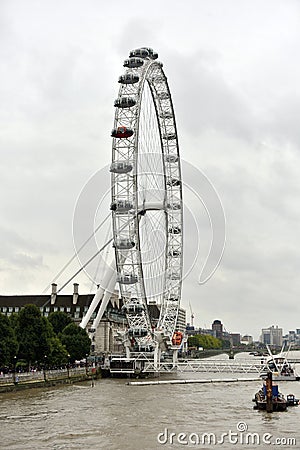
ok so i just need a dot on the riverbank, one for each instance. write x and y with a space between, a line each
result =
47 378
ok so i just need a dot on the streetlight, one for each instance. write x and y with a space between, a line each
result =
45 365
14 369
86 363
68 365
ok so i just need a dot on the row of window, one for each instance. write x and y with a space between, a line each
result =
45 309
10 309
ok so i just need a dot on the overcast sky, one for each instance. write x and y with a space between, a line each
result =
233 69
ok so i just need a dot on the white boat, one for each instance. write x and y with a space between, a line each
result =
280 367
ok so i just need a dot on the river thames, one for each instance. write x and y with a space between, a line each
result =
114 415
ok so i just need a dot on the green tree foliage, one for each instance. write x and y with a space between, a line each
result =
76 341
8 342
226 343
59 320
33 333
13 320
204 340
58 355
35 339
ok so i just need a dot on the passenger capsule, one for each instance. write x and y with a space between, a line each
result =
124 244
177 338
173 299
121 206
124 102
120 167
174 253
143 348
133 63
173 182
139 53
171 158
137 332
169 136
128 78
133 308
127 279
175 230
122 132
152 54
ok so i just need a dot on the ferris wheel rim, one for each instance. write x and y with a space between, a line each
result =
150 75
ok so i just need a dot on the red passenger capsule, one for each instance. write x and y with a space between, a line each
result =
177 338
122 132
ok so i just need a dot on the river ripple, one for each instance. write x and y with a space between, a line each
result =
113 415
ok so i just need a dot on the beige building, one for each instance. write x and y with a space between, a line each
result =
271 336
76 306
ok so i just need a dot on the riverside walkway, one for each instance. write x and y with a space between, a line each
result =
39 378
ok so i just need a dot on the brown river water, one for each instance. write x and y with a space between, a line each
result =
114 415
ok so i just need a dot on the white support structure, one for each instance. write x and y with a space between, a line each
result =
106 297
108 281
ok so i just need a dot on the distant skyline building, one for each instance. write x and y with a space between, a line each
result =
292 338
247 339
181 320
217 328
271 336
235 339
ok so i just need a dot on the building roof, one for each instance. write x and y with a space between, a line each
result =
44 300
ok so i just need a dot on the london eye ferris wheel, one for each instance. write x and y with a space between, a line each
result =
146 203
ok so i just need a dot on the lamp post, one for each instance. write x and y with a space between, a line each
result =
45 366
86 363
14 369
68 365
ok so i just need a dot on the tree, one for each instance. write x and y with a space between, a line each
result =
59 320
58 353
76 341
8 342
204 340
33 333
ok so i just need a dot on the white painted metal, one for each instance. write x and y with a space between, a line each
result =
150 194
108 279
205 365
106 297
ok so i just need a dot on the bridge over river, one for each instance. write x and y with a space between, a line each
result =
209 365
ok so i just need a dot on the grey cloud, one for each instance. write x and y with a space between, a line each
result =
206 100
59 70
